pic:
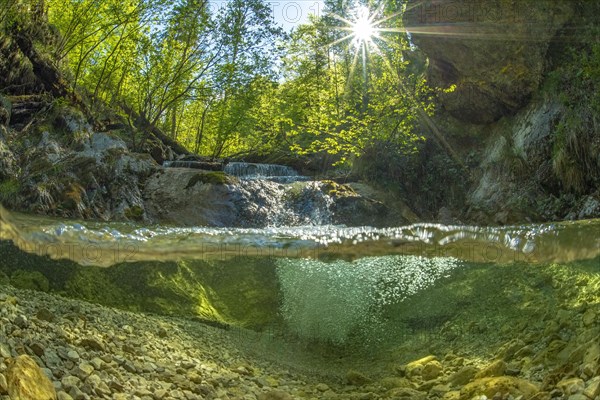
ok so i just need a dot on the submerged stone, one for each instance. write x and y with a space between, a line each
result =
496 368
504 385
27 381
357 378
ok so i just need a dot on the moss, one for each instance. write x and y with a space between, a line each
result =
93 284
225 292
71 196
334 189
9 190
228 293
213 178
135 213
31 280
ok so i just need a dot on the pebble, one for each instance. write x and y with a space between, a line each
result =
322 387
496 368
97 363
589 317
83 370
92 344
69 381
4 351
357 378
21 321
571 385
592 389
44 314
63 396
463 376
3 385
38 349
73 355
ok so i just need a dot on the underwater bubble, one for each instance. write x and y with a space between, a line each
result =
339 300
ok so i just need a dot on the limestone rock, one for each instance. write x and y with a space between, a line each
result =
416 367
26 380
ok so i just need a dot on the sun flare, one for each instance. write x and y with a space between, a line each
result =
363 28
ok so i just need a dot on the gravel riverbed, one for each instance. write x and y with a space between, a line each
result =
53 347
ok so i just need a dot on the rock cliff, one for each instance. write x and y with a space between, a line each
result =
522 112
493 51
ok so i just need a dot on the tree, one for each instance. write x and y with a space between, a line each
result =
341 102
248 37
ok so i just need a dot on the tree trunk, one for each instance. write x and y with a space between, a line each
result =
144 125
47 73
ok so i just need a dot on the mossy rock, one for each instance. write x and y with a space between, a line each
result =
31 280
337 190
135 213
9 191
213 178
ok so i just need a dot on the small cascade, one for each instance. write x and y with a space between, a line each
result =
263 202
272 172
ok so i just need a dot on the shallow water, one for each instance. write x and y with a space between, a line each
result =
105 244
325 299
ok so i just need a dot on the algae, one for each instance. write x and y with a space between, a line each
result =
212 177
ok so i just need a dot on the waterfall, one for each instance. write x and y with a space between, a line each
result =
272 172
263 202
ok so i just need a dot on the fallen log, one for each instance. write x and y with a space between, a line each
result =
146 126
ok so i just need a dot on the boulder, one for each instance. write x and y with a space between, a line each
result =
26 380
190 197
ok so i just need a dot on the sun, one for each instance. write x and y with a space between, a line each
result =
363 28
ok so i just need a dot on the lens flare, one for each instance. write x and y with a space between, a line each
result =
363 28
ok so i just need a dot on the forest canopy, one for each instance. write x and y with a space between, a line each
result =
230 82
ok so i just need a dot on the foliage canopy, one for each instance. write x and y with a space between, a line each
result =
231 82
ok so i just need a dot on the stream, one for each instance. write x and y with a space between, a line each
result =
315 292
